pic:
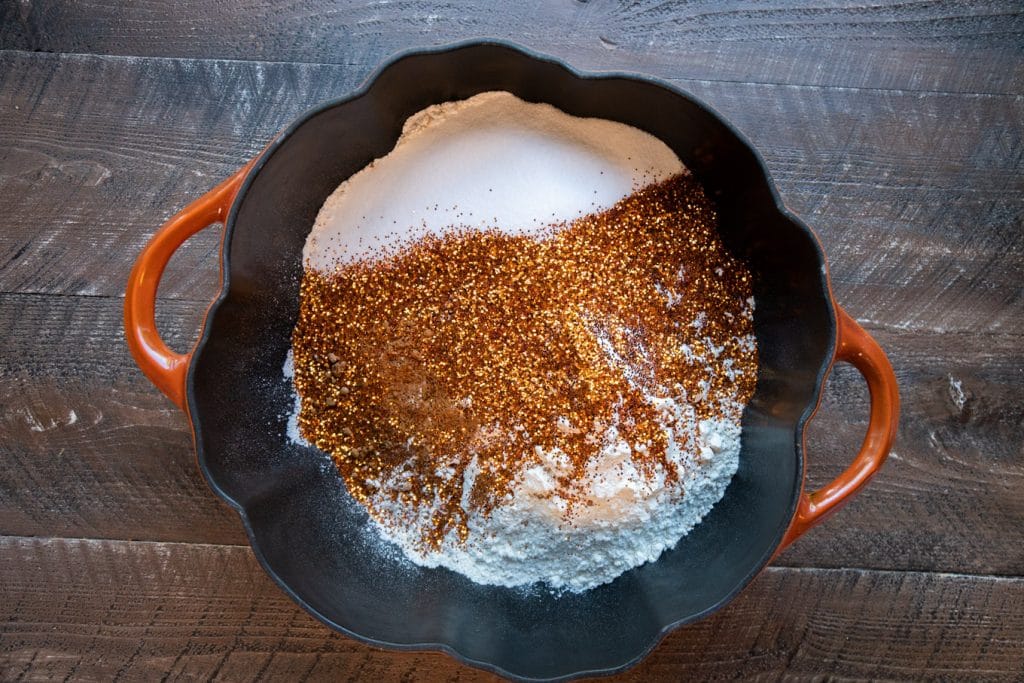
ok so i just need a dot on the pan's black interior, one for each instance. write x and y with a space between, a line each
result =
313 540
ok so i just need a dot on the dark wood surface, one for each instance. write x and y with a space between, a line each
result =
896 131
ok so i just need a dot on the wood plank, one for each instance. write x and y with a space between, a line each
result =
951 487
89 448
895 130
918 198
99 152
99 610
941 45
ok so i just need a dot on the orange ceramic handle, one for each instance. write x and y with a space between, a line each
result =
855 346
164 367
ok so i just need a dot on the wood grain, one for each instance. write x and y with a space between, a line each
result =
918 198
89 448
152 610
951 486
93 450
894 129
942 45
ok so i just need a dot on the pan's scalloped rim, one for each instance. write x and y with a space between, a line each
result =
363 89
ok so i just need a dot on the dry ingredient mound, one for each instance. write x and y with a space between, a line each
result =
557 407
492 160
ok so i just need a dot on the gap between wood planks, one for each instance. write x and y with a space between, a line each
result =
934 45
370 70
6 538
867 323
87 181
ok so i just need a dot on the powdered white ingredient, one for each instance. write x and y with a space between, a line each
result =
630 520
292 425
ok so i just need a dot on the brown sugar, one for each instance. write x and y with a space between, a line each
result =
480 346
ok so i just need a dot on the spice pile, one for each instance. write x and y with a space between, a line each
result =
441 374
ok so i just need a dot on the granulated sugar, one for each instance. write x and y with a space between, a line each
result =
490 161
526 398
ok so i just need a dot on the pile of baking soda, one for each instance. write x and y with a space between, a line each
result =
519 386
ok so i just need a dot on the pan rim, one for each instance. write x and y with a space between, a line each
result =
799 428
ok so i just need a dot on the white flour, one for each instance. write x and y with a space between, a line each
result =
632 519
496 161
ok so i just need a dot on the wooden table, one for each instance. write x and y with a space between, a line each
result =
896 132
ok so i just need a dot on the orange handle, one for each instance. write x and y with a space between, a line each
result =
855 346
166 368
